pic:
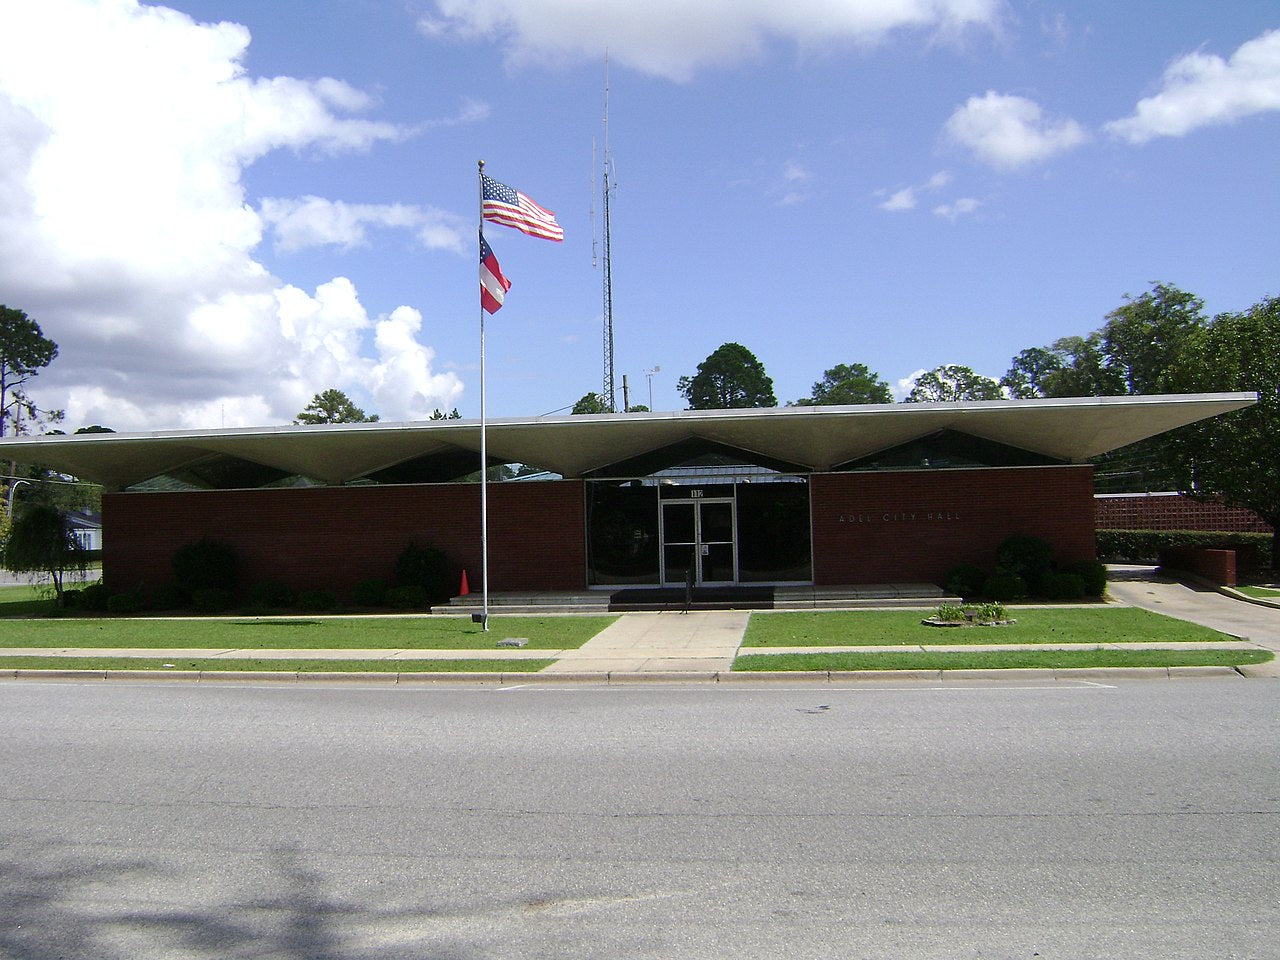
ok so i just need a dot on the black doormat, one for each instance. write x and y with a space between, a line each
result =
704 598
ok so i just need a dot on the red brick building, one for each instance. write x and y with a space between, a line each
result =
801 495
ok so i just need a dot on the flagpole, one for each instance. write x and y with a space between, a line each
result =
484 452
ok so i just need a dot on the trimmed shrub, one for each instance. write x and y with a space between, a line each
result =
1060 586
124 603
205 564
93 597
411 597
272 595
1253 550
211 600
966 580
315 601
1028 557
428 568
369 593
1092 572
169 596
1005 587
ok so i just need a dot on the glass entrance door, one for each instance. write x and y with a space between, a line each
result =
701 534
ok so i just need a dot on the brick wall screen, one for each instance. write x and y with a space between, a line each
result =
334 537
1172 511
914 526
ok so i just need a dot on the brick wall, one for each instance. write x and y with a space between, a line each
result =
333 537
914 526
1172 511
1216 566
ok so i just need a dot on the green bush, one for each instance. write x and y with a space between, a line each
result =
1060 586
1092 572
411 597
369 593
315 601
211 600
1005 587
124 603
949 613
428 568
966 580
93 598
1253 550
1028 557
169 596
205 564
272 595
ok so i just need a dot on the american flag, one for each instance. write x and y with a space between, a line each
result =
493 285
511 208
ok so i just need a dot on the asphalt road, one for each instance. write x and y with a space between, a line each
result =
1140 819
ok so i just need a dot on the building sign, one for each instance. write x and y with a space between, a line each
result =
906 516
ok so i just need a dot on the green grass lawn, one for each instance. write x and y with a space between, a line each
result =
1002 660
275 666
301 633
24 601
1263 593
892 628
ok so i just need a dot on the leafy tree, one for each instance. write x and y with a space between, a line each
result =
1142 340
333 406
1030 372
848 383
24 350
731 377
951 382
41 541
438 414
590 403
1237 455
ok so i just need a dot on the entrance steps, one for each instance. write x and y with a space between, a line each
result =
795 597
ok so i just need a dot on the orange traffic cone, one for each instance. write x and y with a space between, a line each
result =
464 589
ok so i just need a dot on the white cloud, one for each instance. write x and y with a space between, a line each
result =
1203 90
125 232
676 38
902 389
315 221
908 197
957 208
1007 131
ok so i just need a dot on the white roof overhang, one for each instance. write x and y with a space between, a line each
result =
817 437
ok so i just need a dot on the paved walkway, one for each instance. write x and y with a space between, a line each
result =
701 640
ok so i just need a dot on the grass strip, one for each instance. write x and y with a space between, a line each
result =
1000 660
866 628
301 633
275 666
1262 593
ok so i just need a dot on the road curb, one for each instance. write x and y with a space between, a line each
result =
1102 674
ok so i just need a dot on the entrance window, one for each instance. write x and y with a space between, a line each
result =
640 532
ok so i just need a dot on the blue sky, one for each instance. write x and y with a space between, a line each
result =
221 207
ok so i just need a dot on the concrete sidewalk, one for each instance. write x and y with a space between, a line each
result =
640 643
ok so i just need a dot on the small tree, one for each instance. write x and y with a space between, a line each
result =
590 403
333 406
848 383
41 541
951 382
731 377
24 350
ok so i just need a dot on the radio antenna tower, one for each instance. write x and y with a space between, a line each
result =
608 393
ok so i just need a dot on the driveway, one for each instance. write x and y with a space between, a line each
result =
1141 586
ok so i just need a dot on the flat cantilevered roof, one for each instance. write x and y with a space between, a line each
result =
819 437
